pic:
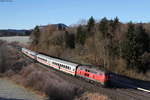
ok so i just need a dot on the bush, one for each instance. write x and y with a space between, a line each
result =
48 82
93 96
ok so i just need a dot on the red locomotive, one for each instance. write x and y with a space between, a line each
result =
88 72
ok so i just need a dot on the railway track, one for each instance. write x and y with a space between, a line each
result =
114 94
134 94
125 93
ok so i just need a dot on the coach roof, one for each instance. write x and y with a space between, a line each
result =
57 60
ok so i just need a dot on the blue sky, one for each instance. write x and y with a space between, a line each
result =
26 14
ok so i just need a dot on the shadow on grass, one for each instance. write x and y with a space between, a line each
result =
120 81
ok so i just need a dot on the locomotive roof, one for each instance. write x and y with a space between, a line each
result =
92 68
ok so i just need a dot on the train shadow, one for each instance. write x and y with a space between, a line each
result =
120 81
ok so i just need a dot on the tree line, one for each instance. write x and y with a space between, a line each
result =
107 40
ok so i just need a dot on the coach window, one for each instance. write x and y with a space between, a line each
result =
43 59
39 57
57 64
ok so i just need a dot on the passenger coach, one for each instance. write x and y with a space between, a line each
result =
29 53
65 66
46 60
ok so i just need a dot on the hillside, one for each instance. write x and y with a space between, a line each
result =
118 47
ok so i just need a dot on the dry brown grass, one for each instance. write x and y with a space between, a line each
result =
92 96
31 76
48 82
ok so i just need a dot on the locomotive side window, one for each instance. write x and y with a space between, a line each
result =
86 74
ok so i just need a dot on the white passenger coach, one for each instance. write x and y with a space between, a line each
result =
29 53
62 65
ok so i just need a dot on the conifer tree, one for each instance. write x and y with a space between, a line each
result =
69 40
142 40
103 27
142 46
90 25
35 35
129 47
136 43
81 35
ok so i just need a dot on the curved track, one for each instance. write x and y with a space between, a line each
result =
113 93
